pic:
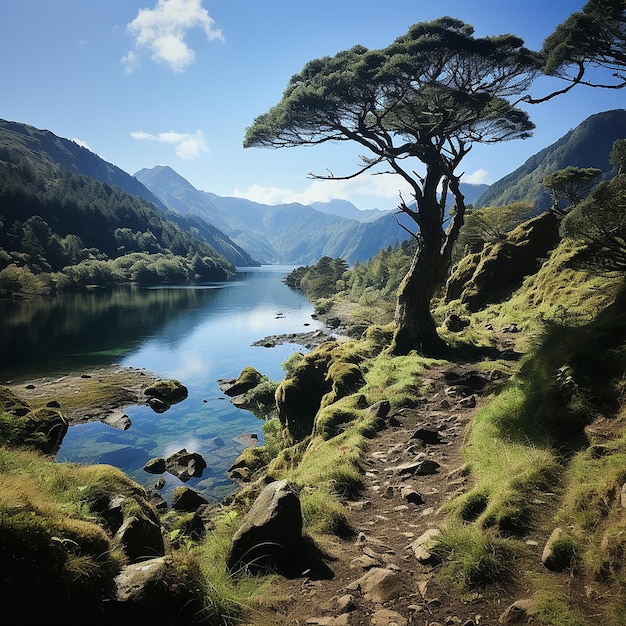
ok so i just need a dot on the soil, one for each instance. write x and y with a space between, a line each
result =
384 525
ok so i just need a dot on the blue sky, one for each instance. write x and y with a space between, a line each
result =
176 82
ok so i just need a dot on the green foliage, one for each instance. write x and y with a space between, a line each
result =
599 222
473 559
617 157
489 225
71 230
592 37
320 280
571 184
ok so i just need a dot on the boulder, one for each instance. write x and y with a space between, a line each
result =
186 499
167 392
155 466
140 538
271 533
248 379
422 547
148 593
493 274
185 465
380 585
517 613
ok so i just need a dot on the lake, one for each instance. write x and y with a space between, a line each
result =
196 335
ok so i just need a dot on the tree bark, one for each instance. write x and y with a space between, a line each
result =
415 326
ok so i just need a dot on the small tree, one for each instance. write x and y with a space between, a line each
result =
599 222
425 99
617 157
571 184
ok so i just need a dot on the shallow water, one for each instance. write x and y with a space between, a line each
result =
194 334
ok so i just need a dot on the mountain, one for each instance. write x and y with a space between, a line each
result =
344 208
286 233
23 142
587 145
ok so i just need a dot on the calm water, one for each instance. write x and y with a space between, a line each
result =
196 335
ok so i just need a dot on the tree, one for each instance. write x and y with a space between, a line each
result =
427 98
571 184
593 38
599 222
617 157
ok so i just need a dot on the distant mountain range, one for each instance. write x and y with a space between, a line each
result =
587 145
249 233
285 233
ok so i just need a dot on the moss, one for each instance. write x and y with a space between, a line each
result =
169 391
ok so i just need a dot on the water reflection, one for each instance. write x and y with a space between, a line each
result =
196 335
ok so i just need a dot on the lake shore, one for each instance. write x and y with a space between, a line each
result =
95 394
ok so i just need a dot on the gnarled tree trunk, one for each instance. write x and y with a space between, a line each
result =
415 326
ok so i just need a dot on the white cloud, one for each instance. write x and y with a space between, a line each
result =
163 30
478 177
188 146
82 144
381 191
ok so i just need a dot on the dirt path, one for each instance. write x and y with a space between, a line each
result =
399 504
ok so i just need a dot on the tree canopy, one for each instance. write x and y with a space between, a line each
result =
427 98
593 38
571 184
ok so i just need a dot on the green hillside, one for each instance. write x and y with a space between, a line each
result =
587 145
63 230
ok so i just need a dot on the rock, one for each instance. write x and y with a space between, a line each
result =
517 613
386 617
556 555
131 582
144 595
467 403
412 496
271 532
169 392
422 466
186 499
379 409
141 538
380 585
248 379
623 496
455 323
117 419
427 435
423 545
155 466
185 465
346 603
158 405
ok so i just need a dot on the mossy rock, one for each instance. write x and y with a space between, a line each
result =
501 267
334 419
42 429
346 378
247 380
10 403
252 459
170 391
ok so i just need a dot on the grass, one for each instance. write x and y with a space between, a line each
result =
472 558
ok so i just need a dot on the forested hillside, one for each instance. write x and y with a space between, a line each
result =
63 230
24 142
587 145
